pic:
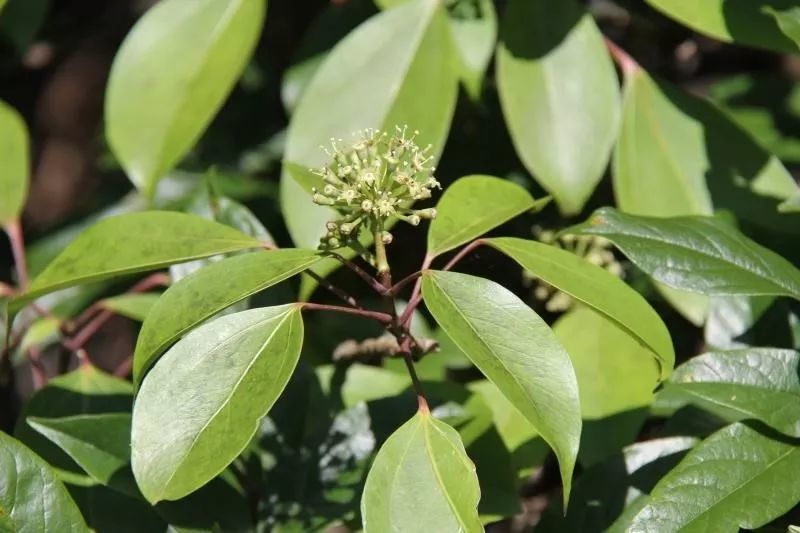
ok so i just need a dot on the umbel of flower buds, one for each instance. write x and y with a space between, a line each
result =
376 179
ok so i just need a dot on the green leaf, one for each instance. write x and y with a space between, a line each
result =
373 78
136 242
473 205
474 31
695 157
736 478
698 254
731 319
31 496
21 20
597 288
736 21
752 383
204 293
792 205
14 172
421 480
133 306
171 75
187 430
560 96
100 444
515 350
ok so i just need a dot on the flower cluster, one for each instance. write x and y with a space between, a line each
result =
377 178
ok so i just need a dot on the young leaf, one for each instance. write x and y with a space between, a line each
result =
473 25
560 96
171 75
187 429
136 242
699 254
736 478
600 290
752 383
515 350
133 306
32 498
741 22
14 171
373 78
473 205
421 480
100 444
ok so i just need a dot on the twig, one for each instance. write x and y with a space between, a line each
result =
397 287
342 295
464 251
360 272
416 294
15 236
383 318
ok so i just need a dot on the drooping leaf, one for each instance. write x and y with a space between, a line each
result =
698 254
31 496
751 383
15 169
421 480
736 21
204 293
186 430
171 75
736 478
560 96
372 79
99 443
515 350
597 288
136 242
133 306
472 206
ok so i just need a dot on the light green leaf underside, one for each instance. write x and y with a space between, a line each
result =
560 96
515 350
15 167
208 291
171 75
736 478
188 428
136 242
473 205
597 288
421 481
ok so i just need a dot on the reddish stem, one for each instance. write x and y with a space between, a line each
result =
626 63
383 318
360 272
15 236
464 251
416 294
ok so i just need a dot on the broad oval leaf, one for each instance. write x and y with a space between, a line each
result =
171 75
473 205
515 350
14 172
187 429
737 21
560 96
209 290
421 480
597 288
136 242
736 478
697 254
32 498
372 79
752 383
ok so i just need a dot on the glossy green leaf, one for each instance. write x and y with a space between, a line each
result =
204 293
731 318
133 306
695 157
171 75
474 29
560 96
372 79
515 350
99 443
698 254
472 206
14 172
136 242
751 383
737 21
736 478
421 480
595 287
186 430
31 496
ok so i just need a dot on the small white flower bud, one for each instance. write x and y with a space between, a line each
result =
321 199
428 214
386 237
